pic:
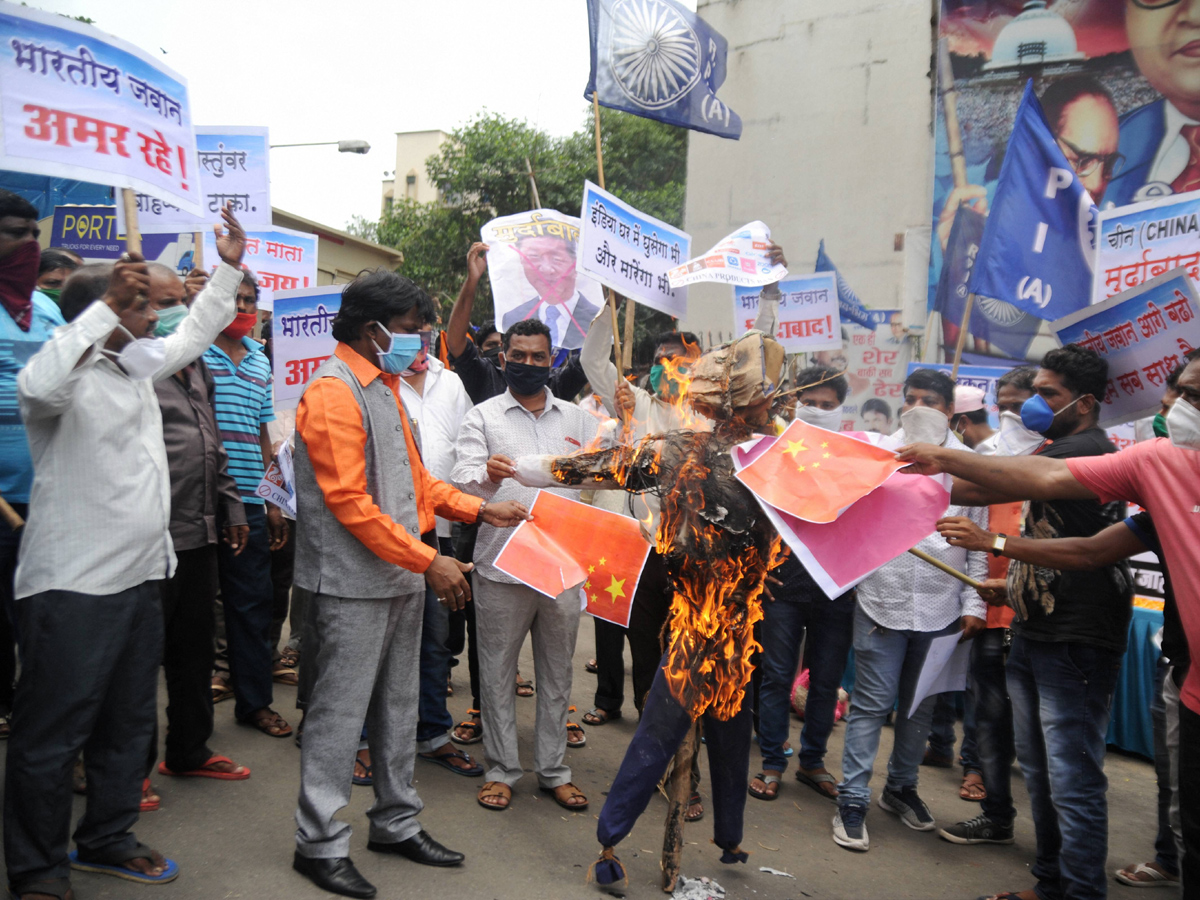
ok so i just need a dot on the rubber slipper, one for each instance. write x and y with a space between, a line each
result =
815 782
768 780
362 780
694 800
221 690
204 772
476 730
170 870
149 805
597 716
443 760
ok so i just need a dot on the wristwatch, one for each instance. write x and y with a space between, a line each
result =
998 544
479 514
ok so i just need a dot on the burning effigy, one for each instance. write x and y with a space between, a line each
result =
719 548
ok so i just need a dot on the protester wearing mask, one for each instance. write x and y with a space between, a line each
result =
89 571
801 613
526 419
242 401
970 419
1069 631
902 607
29 320
54 268
205 508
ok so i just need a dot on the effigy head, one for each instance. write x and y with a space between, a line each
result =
738 379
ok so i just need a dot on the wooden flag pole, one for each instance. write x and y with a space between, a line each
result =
948 569
537 203
198 250
962 337
11 517
133 234
612 298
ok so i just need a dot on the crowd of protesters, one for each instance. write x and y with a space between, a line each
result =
138 422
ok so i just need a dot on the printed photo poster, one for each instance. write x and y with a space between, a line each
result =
281 259
739 259
1118 138
1143 334
78 103
808 317
533 267
234 169
1143 240
302 338
631 252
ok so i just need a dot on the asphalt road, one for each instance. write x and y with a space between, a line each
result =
235 839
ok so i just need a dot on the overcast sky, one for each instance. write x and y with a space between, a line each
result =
358 69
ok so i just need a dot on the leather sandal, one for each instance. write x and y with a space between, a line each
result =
494 789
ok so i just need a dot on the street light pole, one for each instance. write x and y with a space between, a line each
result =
359 147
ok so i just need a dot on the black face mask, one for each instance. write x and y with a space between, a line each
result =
492 355
525 381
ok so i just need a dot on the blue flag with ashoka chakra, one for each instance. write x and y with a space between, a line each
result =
656 58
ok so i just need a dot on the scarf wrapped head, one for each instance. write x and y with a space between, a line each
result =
737 379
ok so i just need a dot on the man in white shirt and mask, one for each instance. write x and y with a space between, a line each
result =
95 549
902 607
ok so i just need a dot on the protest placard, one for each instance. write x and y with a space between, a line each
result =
78 103
532 267
302 338
873 359
278 485
234 169
1143 240
739 258
808 316
631 252
281 259
1143 334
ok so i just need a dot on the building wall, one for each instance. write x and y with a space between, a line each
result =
340 256
412 149
836 105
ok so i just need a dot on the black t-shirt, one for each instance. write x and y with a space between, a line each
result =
1093 606
1174 641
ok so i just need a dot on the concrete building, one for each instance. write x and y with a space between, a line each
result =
409 180
836 101
340 256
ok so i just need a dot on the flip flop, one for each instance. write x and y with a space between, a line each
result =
149 805
695 800
170 868
476 730
576 792
362 780
204 772
768 780
524 688
815 782
443 760
1153 877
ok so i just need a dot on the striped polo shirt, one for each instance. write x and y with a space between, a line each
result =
242 403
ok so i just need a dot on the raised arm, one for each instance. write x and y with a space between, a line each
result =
596 359
460 313
1010 477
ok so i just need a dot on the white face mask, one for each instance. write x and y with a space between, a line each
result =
1183 425
1143 429
1014 438
924 425
141 357
829 419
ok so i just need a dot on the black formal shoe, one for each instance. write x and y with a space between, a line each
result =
420 848
338 876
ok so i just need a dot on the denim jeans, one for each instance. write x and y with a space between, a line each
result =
1061 694
887 666
247 595
993 724
830 629
433 718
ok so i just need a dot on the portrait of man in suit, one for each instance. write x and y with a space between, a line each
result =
1160 141
549 266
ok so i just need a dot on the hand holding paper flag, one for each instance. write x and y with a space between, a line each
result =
568 543
814 474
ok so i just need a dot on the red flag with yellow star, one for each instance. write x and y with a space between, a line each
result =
814 474
569 544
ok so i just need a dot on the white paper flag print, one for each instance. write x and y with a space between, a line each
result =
740 258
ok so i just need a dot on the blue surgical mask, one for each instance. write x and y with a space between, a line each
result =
1036 414
400 353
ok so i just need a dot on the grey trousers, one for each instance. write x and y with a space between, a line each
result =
1171 702
365 656
504 614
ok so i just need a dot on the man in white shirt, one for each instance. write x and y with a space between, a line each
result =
902 607
95 548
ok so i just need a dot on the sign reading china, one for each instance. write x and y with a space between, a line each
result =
808 317
739 258
78 103
233 168
1143 240
278 485
1143 334
631 252
302 338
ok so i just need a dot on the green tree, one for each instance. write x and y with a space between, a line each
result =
482 173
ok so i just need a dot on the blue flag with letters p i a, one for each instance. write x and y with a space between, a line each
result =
850 307
656 58
1037 246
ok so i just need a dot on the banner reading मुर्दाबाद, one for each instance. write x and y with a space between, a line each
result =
1143 334
234 169
301 338
77 103
532 264
808 317
1141 241
631 252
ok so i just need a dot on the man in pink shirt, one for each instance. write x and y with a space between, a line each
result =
1163 476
